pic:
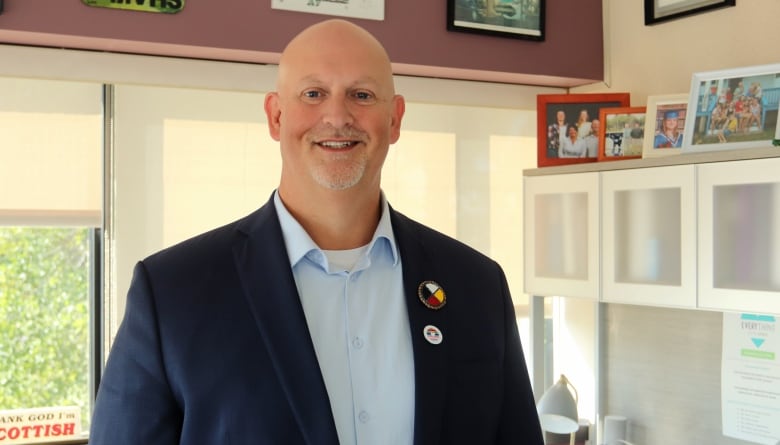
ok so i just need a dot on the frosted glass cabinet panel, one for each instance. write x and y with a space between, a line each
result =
739 238
648 236
561 235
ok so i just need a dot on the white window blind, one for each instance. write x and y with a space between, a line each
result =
50 152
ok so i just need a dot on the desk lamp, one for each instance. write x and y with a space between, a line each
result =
558 409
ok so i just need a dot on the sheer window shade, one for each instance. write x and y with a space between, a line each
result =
50 146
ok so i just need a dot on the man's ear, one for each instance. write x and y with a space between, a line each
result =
273 113
397 115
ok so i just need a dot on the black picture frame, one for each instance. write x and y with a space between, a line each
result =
520 19
680 8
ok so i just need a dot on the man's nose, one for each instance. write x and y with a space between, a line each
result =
337 112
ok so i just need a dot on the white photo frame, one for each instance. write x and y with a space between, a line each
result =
358 9
657 142
777 133
719 90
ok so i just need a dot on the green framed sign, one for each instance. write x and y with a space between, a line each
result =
163 6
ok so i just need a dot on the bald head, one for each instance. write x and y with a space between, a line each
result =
331 43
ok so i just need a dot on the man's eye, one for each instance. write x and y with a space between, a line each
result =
364 96
312 94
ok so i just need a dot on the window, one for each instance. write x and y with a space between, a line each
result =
46 280
50 214
189 160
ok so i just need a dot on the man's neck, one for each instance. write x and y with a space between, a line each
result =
335 219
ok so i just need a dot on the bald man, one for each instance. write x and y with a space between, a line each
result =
324 317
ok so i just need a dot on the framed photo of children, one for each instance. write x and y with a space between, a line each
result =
732 109
664 125
622 133
568 126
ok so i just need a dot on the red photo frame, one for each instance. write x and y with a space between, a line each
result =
621 133
551 149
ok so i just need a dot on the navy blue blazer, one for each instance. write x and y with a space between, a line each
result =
214 347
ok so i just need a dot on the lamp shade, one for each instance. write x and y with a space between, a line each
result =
558 408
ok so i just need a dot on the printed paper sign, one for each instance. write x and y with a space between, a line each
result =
359 9
750 378
39 425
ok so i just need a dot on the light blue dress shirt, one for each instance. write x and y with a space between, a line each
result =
356 312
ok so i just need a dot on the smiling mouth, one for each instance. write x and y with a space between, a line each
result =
337 145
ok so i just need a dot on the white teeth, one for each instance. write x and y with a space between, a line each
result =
344 144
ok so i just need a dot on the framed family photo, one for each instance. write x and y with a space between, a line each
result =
622 133
657 11
521 19
664 125
568 126
732 109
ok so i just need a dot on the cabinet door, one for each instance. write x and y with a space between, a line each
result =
649 236
739 237
561 221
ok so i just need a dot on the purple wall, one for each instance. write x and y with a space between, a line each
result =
414 32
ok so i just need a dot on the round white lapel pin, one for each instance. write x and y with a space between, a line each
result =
433 334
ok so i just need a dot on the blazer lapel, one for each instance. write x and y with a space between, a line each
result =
430 368
269 286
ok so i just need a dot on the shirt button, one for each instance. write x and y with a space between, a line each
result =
364 417
357 343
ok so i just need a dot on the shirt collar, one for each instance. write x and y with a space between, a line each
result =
299 243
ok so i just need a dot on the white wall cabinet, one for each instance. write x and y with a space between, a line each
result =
739 236
561 221
649 236
697 230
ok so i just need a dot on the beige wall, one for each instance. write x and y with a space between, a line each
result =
658 371
660 59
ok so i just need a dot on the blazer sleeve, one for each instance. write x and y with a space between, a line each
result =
135 404
519 421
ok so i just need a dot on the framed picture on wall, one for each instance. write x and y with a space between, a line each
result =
621 133
568 126
732 109
364 9
521 19
664 125
657 11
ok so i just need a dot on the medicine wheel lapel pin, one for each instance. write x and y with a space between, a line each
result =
432 295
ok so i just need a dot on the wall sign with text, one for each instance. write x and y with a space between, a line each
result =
164 6
40 425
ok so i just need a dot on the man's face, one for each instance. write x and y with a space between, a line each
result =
335 113
594 126
561 116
